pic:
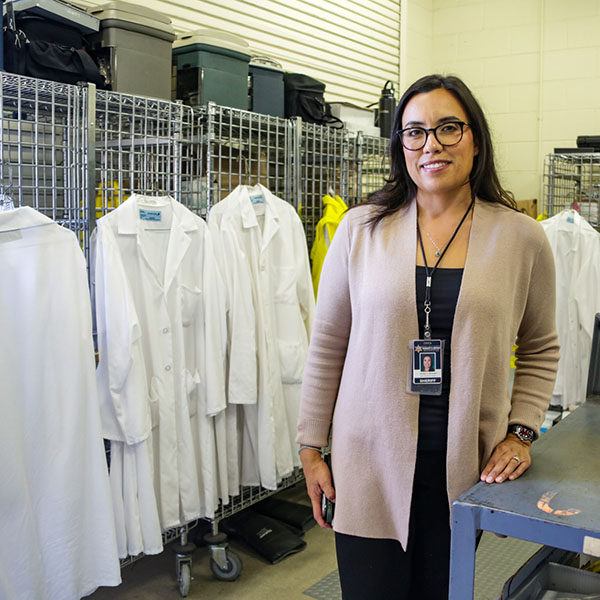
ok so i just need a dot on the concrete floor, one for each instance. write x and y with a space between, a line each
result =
153 577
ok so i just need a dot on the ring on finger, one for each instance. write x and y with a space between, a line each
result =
517 459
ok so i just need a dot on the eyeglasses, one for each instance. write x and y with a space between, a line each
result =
447 134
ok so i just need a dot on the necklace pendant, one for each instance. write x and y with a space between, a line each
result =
437 253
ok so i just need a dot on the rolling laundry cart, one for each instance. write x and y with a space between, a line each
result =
75 153
554 503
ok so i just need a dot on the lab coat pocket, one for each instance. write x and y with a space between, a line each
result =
285 285
291 359
190 304
190 383
155 395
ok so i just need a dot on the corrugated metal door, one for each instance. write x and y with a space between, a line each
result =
350 45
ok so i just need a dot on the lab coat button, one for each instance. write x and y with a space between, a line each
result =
165 330
168 368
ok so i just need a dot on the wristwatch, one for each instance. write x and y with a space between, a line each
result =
523 433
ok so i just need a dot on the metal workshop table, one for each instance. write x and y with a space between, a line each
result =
556 502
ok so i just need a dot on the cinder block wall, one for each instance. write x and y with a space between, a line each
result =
533 64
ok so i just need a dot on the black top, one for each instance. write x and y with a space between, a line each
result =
433 410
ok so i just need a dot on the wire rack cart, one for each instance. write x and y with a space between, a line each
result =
75 153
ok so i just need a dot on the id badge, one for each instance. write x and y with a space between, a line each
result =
426 367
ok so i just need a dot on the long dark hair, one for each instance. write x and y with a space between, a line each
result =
400 189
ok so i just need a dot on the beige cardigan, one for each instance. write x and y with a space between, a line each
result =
358 358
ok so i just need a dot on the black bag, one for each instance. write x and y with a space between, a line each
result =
304 97
298 516
37 47
271 538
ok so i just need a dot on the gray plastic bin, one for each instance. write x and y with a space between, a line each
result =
134 46
557 578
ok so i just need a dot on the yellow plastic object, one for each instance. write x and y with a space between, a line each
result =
112 195
542 216
513 358
333 212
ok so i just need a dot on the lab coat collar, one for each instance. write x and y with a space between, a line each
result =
128 217
19 218
182 222
248 213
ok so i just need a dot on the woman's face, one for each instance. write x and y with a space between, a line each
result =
426 363
437 169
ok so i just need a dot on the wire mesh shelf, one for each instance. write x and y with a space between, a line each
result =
242 147
251 495
323 159
573 181
370 167
44 129
139 148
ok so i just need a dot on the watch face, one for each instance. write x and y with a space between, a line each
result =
523 433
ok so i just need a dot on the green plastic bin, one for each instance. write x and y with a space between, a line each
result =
211 66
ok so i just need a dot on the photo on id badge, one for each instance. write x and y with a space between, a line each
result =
427 366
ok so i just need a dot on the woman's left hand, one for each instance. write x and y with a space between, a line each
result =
503 463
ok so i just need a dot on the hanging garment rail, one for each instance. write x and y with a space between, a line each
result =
76 153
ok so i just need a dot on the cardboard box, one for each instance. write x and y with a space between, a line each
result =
356 118
529 207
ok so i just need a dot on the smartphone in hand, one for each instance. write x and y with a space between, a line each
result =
327 506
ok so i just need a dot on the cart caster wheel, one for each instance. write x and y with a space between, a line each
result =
185 579
231 572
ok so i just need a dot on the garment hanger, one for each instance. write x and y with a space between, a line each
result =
6 201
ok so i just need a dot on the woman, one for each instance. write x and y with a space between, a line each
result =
426 363
440 261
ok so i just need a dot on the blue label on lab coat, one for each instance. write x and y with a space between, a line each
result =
150 215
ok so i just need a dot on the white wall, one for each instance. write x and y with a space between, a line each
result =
533 64
416 40
350 45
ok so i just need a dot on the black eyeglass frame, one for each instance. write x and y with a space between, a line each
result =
434 130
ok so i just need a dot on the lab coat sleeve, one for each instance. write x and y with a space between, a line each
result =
328 344
121 374
304 284
588 296
538 349
215 330
243 365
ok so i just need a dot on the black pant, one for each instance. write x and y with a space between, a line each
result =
378 569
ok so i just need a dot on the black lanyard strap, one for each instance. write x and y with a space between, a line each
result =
429 276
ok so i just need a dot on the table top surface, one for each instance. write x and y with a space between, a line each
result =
563 483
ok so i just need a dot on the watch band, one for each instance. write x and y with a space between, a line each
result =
523 433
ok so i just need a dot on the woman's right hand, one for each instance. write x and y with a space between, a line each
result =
318 482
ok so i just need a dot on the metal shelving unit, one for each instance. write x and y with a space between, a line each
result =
322 166
573 181
42 165
75 153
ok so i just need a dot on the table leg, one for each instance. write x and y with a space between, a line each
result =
462 552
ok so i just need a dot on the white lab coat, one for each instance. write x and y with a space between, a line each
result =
161 337
265 242
56 518
576 248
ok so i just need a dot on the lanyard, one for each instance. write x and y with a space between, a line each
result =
427 303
